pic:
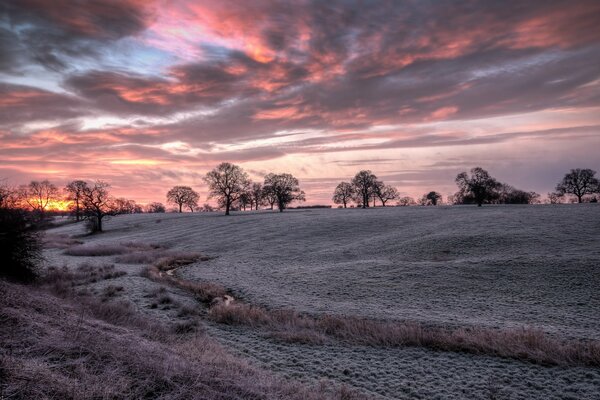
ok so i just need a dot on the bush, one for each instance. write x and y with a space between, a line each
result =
20 246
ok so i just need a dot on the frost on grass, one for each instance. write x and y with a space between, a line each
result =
83 350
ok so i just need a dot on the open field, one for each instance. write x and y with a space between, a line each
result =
493 267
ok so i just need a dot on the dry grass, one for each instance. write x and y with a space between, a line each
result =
132 249
55 241
161 271
54 348
525 344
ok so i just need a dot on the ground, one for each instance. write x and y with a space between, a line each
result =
495 267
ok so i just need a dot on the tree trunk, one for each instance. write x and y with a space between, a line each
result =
227 204
344 203
77 216
579 198
180 205
99 218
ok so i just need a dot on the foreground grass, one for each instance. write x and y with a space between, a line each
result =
56 342
525 344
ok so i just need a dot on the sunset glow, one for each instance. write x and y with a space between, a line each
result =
146 95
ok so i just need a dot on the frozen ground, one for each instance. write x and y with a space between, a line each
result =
493 266
496 266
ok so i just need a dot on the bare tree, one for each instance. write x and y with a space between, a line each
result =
38 195
9 197
257 196
286 189
269 195
344 193
74 191
431 198
245 200
384 192
155 208
97 204
579 182
183 196
555 198
364 183
406 201
480 186
227 182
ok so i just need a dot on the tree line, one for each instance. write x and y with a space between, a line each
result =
230 186
476 187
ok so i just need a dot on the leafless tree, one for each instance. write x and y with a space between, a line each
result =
344 193
364 183
579 182
126 206
555 198
9 197
256 195
384 192
97 204
285 188
480 186
227 182
406 201
183 196
245 200
155 208
269 195
38 195
74 191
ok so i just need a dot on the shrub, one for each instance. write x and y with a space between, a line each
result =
20 246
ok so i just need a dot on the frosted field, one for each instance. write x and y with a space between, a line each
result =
496 266
499 266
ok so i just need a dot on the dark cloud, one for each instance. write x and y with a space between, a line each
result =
55 31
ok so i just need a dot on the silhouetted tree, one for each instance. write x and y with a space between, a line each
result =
344 193
9 197
555 198
406 201
74 191
432 198
126 206
183 196
227 182
256 195
97 204
269 195
38 194
480 186
364 183
285 187
155 208
245 200
509 195
384 192
579 182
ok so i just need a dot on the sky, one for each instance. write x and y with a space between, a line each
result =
150 94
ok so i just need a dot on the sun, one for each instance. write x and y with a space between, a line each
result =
58 205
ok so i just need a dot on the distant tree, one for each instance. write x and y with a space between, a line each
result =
126 206
343 194
385 193
74 191
97 204
509 195
364 182
285 187
579 182
156 207
555 198
207 208
269 195
38 195
227 182
183 196
406 201
432 198
480 186
245 200
256 195
9 197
